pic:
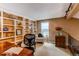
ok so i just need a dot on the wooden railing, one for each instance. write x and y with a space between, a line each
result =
72 10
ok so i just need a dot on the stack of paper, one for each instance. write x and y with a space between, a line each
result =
15 50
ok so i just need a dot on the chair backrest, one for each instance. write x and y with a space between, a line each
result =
40 35
29 39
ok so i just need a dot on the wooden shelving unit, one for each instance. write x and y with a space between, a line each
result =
6 27
35 27
19 28
11 27
31 26
28 26
0 27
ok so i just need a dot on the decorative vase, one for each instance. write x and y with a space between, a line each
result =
5 29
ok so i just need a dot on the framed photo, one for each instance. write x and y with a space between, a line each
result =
18 32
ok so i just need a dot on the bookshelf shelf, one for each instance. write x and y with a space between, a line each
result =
8 37
8 31
8 18
8 25
19 35
19 25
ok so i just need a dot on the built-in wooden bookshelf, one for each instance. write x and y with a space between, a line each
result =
14 27
31 26
0 27
6 27
19 28
35 27
11 27
28 26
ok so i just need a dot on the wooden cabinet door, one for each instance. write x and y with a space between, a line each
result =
60 41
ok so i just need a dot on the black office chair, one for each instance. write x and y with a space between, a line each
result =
29 41
40 35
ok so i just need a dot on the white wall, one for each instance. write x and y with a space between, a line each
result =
13 8
38 10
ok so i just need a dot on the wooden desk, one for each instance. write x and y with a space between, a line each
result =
6 45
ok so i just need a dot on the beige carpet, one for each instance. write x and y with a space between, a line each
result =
49 49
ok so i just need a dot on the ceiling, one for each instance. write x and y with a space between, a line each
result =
37 11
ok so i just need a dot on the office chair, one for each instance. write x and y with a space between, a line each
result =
29 41
40 35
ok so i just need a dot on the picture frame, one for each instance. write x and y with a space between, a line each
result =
18 31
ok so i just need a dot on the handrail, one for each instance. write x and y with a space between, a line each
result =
68 9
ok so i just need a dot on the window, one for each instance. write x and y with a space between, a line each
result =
45 29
